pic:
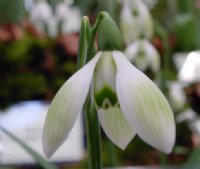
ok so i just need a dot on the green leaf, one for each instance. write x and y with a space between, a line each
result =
38 158
193 161
83 42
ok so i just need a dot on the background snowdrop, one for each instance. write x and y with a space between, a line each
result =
177 97
144 55
150 3
40 15
135 21
191 68
62 19
68 17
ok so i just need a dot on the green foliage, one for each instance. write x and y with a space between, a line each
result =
193 161
87 6
11 12
185 24
32 68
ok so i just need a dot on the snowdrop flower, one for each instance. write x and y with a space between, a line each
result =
126 100
191 68
135 21
150 3
40 14
69 17
176 95
144 55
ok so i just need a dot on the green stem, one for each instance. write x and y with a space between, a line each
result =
85 54
166 63
166 60
113 154
91 47
83 42
91 118
166 50
93 137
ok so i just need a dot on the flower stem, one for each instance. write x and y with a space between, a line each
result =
91 47
91 119
93 137
86 52
83 42
166 49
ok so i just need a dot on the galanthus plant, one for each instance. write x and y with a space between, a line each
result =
108 89
144 55
63 19
135 21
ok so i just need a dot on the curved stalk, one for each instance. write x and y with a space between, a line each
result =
85 53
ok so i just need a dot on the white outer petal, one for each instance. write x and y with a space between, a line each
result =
146 20
65 107
144 106
116 126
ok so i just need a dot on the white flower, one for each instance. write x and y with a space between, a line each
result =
65 17
144 55
135 21
40 15
150 3
177 97
191 68
126 100
69 17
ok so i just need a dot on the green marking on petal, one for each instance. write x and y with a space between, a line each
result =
105 93
135 12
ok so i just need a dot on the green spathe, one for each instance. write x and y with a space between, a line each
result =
109 35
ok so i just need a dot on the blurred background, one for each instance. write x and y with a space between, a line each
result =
38 53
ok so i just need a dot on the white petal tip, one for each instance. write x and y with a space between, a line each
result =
167 150
48 150
144 106
116 126
167 143
122 146
47 153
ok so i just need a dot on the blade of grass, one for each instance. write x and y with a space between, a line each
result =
38 158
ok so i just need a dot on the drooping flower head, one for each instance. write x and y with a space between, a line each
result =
144 55
63 19
135 21
40 14
126 100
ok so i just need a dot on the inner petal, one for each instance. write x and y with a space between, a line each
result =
104 81
116 126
